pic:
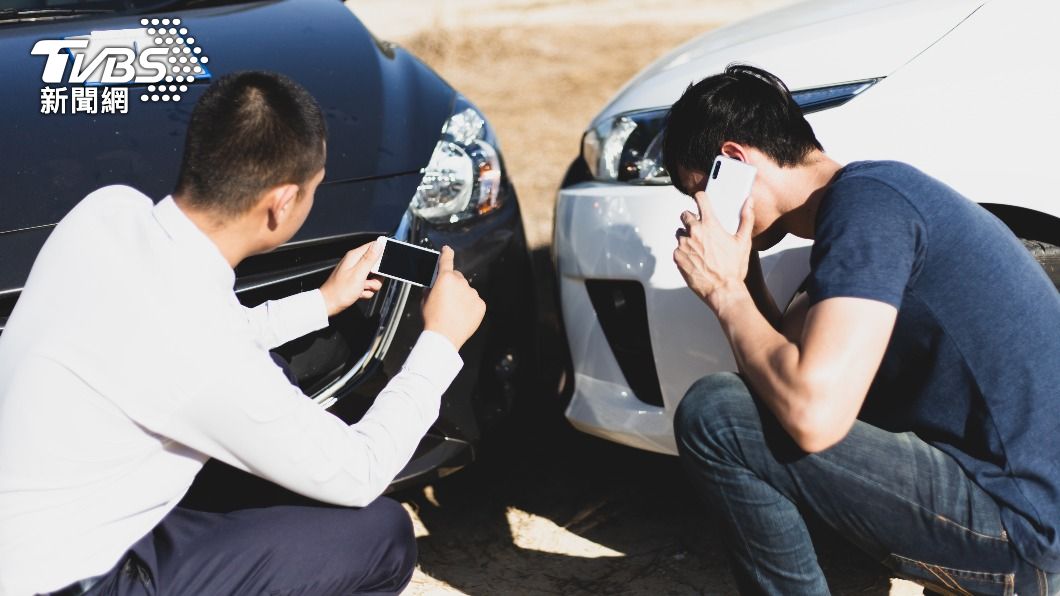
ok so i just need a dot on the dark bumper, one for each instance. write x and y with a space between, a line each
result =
492 253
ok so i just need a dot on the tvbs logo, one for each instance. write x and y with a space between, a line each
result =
161 55
109 66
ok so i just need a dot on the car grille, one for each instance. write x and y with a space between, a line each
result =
333 358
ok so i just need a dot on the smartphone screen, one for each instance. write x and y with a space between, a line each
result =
408 263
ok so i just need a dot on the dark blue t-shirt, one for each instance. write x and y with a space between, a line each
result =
973 365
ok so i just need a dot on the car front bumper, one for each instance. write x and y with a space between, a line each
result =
606 236
491 252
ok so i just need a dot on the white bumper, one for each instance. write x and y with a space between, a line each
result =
622 232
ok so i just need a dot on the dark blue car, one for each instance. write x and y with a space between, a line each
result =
408 156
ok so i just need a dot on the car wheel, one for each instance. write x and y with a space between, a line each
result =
1048 256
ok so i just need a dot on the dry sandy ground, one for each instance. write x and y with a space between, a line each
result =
547 510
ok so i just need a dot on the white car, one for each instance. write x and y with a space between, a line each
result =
963 89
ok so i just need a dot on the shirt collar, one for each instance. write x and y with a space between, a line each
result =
190 239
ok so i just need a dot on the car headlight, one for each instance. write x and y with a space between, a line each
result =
628 147
463 178
822 98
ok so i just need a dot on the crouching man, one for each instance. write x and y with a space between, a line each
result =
128 362
923 314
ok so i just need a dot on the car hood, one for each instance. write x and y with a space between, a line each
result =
384 108
808 44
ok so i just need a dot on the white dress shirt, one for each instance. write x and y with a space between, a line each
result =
128 362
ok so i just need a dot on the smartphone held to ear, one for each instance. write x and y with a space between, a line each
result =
728 186
407 262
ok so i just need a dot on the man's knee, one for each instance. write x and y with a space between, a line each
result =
370 549
397 545
711 408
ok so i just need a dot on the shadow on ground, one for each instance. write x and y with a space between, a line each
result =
548 510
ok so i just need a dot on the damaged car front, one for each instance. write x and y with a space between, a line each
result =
408 157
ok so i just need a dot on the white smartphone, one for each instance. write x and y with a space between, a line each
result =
728 186
407 262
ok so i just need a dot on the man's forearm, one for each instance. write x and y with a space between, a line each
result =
814 385
768 360
252 418
277 322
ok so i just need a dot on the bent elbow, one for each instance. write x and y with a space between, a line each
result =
818 416
816 429
816 442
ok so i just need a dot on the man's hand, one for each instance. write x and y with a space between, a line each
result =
713 263
452 308
349 281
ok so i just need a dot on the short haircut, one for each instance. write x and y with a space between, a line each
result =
249 132
745 105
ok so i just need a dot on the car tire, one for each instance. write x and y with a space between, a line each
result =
1048 256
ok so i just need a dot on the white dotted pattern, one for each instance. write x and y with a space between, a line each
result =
184 58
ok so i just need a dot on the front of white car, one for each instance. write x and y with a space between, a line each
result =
955 88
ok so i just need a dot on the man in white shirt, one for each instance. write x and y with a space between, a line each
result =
128 362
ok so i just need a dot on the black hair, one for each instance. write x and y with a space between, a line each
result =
745 105
250 131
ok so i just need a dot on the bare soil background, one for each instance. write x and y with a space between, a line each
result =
545 509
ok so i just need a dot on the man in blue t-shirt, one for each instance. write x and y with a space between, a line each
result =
910 399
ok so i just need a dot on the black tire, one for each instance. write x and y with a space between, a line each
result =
1048 256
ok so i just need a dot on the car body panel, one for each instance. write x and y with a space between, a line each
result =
981 80
979 97
384 109
819 42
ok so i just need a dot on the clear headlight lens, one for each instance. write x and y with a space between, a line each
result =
628 147
463 178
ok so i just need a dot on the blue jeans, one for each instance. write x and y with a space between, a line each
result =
897 498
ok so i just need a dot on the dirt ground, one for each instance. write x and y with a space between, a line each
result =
545 509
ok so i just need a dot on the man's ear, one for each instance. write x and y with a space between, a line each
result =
279 201
734 150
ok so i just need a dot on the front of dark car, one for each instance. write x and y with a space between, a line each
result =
408 157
